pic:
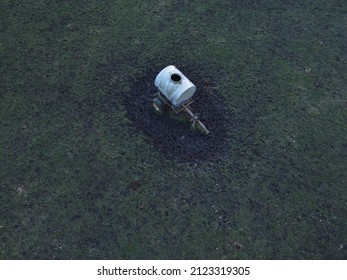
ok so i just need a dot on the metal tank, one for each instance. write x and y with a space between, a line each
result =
174 85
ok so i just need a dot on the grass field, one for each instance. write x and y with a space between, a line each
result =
87 171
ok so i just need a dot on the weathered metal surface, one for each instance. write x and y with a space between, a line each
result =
176 87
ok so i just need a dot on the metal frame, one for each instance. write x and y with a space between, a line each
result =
184 106
166 101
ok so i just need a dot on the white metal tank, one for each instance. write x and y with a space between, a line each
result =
174 85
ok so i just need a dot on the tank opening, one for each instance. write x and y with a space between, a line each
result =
176 78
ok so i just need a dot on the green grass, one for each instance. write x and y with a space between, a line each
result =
79 182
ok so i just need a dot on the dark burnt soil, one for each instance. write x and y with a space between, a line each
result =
171 133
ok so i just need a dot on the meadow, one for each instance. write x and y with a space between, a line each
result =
88 171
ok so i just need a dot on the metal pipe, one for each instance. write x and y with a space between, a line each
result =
196 119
